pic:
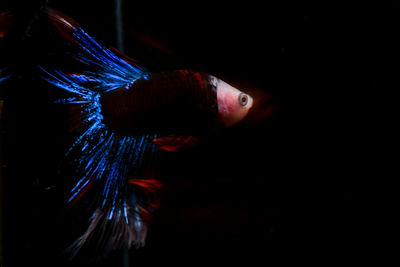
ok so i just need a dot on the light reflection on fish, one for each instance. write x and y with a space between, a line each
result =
124 116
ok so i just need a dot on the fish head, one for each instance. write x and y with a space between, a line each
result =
233 104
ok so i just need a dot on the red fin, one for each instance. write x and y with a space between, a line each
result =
6 21
150 185
175 143
65 25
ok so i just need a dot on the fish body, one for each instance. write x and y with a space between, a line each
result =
124 116
171 102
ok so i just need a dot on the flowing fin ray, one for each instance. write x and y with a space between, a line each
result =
105 162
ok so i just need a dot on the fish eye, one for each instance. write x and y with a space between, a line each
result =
243 99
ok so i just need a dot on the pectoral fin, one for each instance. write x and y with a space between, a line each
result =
176 143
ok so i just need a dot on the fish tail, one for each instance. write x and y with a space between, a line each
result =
110 229
122 221
122 206
118 205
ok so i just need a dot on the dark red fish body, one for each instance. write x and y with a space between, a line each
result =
182 102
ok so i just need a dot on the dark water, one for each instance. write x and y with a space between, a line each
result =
256 194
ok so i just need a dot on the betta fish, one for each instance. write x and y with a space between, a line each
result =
124 116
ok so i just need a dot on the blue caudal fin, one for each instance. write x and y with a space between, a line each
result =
104 161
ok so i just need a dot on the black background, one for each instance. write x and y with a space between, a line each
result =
303 191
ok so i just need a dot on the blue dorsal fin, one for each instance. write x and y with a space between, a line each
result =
111 69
